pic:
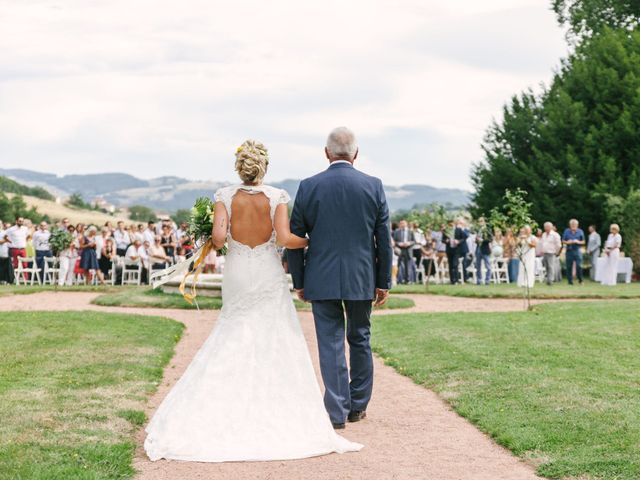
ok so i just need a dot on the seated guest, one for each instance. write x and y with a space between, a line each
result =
157 256
612 251
132 256
143 251
168 241
573 238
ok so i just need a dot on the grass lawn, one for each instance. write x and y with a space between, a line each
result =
147 297
29 289
559 386
72 389
559 290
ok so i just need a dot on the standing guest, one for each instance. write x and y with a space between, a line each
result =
41 246
612 251
182 231
158 258
451 252
6 269
107 255
483 252
439 237
109 226
137 233
17 237
573 238
404 240
31 252
509 251
551 246
419 237
497 250
428 256
122 239
89 257
539 243
68 258
526 251
168 241
149 234
460 235
64 224
593 249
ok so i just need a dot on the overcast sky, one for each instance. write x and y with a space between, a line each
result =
155 87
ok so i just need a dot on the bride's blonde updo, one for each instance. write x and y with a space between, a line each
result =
252 161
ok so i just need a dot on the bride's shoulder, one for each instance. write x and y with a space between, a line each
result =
278 194
223 193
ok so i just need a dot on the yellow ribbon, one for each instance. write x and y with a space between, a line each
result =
198 265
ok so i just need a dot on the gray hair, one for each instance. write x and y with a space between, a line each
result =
342 143
574 221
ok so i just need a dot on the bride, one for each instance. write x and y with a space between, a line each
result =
250 392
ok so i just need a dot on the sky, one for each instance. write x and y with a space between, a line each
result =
156 87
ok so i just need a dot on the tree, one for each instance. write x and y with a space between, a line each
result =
586 18
140 213
181 216
514 213
76 200
576 143
17 207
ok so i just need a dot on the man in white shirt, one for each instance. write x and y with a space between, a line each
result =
122 240
551 245
17 236
41 245
149 234
6 270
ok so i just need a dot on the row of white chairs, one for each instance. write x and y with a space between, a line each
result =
28 273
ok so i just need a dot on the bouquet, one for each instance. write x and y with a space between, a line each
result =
201 222
60 240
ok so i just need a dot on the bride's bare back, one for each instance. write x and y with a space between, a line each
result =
251 218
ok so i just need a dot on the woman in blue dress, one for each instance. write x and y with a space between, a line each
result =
89 257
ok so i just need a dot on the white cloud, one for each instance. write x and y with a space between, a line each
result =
165 88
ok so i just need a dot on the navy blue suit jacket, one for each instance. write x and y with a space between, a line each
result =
345 214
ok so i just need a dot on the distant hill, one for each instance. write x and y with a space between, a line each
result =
11 186
171 193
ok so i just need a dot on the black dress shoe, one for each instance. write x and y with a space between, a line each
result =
357 415
338 426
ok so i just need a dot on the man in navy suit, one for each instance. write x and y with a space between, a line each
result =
347 267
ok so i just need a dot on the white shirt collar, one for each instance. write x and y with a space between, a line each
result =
340 161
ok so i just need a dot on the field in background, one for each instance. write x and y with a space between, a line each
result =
57 211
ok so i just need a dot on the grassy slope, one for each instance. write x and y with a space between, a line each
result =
559 290
72 389
559 386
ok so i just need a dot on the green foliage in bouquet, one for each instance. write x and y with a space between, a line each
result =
201 221
60 240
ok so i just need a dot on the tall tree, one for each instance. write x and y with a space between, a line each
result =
576 143
586 18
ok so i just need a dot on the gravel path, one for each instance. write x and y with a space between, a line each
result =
410 433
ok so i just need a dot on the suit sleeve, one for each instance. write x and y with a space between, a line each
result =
384 249
295 258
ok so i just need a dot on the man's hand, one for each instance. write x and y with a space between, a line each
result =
381 297
300 293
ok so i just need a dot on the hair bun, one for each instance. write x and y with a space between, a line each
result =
252 160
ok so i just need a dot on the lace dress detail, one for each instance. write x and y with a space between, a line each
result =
250 392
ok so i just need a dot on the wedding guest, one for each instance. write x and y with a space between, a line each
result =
497 250
107 256
6 269
573 238
158 258
67 258
440 243
64 224
42 246
149 234
17 237
143 252
89 257
526 252
181 257
210 262
122 239
136 232
132 256
539 244
428 256
551 246
31 251
509 251
483 252
168 241
612 251
419 238
593 249
404 240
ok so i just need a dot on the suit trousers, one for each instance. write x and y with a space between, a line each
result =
341 395
549 260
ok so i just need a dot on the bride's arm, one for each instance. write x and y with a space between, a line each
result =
284 237
220 226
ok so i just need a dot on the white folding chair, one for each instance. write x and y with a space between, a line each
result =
51 270
500 270
27 268
132 274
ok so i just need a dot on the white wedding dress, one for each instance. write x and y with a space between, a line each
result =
250 392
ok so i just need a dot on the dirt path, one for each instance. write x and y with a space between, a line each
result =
410 432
